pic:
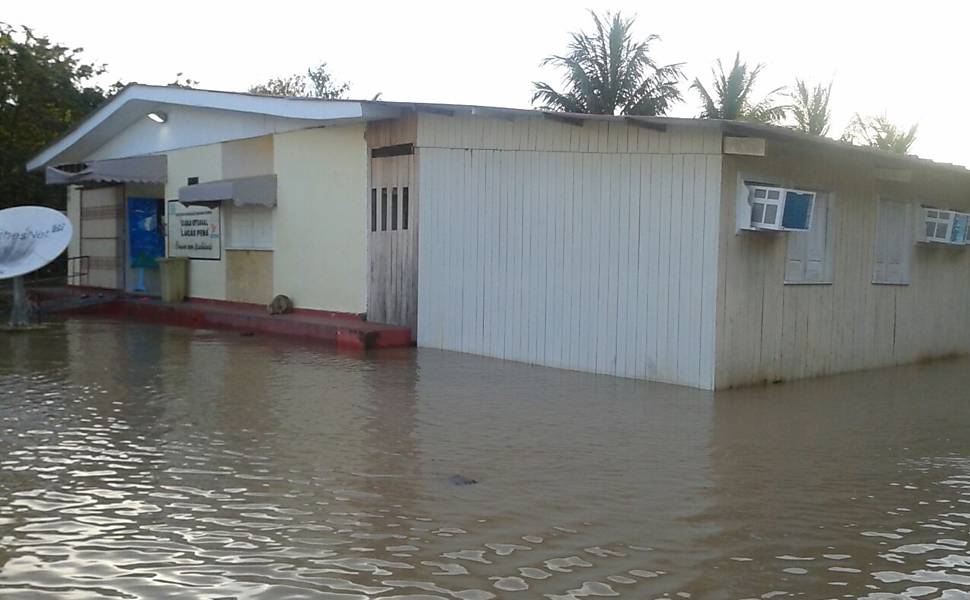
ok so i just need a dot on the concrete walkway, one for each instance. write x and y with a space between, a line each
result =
345 331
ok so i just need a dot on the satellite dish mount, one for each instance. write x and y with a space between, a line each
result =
30 238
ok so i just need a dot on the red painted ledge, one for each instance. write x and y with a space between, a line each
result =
345 330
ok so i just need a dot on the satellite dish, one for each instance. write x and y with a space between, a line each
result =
31 237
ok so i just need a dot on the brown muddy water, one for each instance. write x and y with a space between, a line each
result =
141 461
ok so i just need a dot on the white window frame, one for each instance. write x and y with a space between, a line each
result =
748 187
742 206
902 237
253 213
938 217
767 202
800 244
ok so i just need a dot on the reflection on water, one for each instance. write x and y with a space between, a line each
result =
144 462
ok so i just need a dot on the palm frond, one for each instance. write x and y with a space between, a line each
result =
607 71
879 132
810 108
730 97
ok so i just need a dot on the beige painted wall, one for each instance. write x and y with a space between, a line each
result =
769 331
249 276
247 158
320 237
207 278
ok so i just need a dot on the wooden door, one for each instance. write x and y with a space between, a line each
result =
102 236
392 242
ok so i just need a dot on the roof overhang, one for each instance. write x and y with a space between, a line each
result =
873 156
136 102
138 169
258 191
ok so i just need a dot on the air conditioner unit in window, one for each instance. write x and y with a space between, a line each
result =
960 234
942 227
780 209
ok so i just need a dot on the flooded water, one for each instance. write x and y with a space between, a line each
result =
142 461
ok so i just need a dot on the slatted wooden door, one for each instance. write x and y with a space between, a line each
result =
392 242
102 236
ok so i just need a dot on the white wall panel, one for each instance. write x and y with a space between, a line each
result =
591 260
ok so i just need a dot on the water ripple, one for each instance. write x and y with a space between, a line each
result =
190 464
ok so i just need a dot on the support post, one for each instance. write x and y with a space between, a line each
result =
20 312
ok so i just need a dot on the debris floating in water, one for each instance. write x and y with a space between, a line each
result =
461 480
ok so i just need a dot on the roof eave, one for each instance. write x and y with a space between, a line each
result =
304 109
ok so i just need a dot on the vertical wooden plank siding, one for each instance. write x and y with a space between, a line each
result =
392 249
102 237
589 248
769 331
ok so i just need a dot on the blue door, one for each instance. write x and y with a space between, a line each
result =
146 243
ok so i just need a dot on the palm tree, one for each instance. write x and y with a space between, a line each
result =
810 108
878 132
732 96
607 72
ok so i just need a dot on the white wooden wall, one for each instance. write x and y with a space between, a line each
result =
590 248
770 331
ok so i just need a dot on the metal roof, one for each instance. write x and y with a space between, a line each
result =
137 100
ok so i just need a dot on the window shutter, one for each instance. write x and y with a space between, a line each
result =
893 243
796 260
262 228
817 242
798 210
809 253
250 227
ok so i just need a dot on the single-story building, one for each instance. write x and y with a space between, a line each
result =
698 252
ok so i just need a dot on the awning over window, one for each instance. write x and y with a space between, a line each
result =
138 169
260 190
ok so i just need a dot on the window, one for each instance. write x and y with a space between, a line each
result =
937 225
893 243
799 206
776 208
960 234
765 206
373 209
404 208
393 209
397 212
249 227
383 209
810 253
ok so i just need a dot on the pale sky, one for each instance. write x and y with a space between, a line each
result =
905 59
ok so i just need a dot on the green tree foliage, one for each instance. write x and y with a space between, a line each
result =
609 72
810 108
44 89
878 132
317 82
181 81
732 96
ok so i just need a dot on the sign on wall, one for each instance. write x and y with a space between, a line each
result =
194 231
